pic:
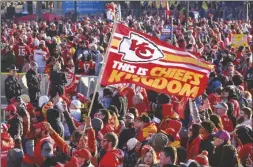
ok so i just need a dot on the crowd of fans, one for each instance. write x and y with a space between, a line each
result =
126 127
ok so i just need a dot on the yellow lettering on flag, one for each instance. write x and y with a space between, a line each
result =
166 70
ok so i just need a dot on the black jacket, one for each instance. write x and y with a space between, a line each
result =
69 122
58 78
97 105
33 81
52 33
16 126
170 165
12 87
125 135
206 144
217 156
130 159
52 47
54 117
50 161
121 104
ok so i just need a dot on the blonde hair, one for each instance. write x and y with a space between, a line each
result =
115 120
154 157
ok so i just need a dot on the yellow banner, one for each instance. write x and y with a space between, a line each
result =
239 40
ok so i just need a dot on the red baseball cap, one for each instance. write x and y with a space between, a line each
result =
170 131
16 99
145 149
11 108
81 97
84 153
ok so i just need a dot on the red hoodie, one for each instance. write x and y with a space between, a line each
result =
245 151
110 159
107 128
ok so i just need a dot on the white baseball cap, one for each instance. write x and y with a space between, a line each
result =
131 143
221 105
43 100
130 115
77 103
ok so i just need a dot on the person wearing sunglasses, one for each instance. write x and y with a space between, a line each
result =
113 157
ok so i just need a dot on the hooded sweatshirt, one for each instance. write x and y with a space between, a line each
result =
112 156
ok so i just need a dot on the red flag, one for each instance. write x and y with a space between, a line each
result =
138 58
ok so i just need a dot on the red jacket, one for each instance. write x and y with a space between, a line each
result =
245 151
193 148
227 123
213 99
30 110
238 57
107 128
236 105
110 159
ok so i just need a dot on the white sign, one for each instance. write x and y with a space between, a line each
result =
39 57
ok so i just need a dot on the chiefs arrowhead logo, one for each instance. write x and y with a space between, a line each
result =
139 49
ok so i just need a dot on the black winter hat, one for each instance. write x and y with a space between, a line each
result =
97 124
163 99
145 118
12 67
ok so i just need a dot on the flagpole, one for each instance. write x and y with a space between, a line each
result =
171 30
100 74
102 68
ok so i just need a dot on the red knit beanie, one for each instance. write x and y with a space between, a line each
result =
202 158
